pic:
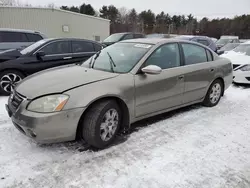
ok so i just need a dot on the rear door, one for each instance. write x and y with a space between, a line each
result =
199 71
83 50
13 40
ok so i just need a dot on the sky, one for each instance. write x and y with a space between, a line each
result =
199 8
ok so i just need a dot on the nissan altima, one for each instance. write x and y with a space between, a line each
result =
125 82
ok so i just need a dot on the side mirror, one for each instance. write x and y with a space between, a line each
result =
151 69
40 54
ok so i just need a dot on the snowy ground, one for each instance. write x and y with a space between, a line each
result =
195 147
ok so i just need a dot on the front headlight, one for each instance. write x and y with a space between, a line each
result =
245 68
50 103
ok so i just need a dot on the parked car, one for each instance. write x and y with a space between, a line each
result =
121 36
200 39
225 40
159 35
44 54
240 57
125 82
18 39
227 47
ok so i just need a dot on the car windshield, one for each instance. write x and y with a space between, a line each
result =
32 47
243 48
230 46
114 38
223 41
124 56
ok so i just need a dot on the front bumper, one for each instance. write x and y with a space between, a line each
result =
45 127
241 77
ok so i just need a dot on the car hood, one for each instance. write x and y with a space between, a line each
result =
9 54
237 58
60 79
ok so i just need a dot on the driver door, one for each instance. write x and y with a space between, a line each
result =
156 93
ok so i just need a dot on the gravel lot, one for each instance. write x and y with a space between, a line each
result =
195 147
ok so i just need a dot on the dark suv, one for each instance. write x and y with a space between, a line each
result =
18 39
116 37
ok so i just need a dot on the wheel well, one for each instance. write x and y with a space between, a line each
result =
125 112
15 70
223 84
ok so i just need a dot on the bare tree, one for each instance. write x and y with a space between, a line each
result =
11 3
123 15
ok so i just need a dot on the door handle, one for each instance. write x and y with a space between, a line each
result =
211 70
67 58
180 77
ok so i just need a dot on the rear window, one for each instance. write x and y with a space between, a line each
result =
33 37
6 36
202 41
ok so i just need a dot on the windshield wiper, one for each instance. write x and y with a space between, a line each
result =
92 61
112 63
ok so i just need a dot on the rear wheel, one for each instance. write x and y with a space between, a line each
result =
214 94
8 80
101 124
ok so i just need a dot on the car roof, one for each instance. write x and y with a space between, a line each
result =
19 30
155 41
76 39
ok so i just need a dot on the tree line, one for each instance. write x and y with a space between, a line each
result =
124 20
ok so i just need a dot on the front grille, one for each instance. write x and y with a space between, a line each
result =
248 78
235 66
16 99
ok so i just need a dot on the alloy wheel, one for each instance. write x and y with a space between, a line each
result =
215 93
109 125
8 81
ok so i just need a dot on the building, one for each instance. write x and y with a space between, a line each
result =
55 22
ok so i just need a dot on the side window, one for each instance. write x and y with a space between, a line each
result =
138 36
98 47
128 36
202 41
6 36
33 37
82 46
60 47
194 54
166 56
209 55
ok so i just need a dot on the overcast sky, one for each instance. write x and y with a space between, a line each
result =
199 8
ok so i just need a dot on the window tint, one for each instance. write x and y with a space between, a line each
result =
60 47
82 46
209 55
202 41
33 37
138 36
128 36
194 54
98 47
6 36
167 56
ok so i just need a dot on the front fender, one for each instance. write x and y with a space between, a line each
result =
121 87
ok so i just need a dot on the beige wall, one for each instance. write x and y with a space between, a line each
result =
51 21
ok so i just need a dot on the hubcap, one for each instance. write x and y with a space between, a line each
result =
8 81
215 93
109 124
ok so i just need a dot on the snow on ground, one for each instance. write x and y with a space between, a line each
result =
195 147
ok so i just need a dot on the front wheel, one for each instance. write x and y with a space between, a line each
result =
8 80
101 124
214 94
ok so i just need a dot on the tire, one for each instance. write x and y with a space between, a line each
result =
8 79
92 131
216 88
